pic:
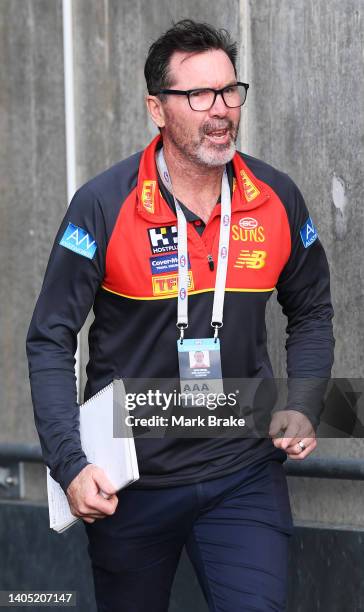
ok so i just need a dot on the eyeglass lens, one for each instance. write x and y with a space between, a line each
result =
233 96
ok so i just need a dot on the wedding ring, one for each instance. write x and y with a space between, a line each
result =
301 445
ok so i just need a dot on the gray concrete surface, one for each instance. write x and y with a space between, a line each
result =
33 187
306 117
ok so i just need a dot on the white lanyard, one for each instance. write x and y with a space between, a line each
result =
223 253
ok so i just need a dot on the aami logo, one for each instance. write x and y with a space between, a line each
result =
79 241
163 239
251 259
251 191
148 192
248 230
308 233
195 388
168 284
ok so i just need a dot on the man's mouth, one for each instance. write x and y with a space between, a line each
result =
221 135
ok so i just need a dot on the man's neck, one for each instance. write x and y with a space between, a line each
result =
195 185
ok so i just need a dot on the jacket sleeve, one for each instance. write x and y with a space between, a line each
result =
74 273
304 294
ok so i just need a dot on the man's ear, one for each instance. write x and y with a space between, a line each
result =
155 109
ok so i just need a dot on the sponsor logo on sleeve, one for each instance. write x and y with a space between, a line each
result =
308 233
148 192
254 260
79 241
163 239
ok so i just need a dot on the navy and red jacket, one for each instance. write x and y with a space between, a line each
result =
115 251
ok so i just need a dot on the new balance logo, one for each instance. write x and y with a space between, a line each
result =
251 259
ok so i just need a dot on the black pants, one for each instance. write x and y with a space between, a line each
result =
236 531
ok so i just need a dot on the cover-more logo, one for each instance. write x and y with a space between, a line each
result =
163 239
148 192
251 259
248 230
168 284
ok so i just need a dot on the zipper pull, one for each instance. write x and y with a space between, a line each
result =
210 259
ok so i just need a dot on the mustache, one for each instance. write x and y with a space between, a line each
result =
212 126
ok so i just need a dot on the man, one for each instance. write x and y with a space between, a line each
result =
199 360
225 499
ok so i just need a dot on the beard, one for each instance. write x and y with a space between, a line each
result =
199 149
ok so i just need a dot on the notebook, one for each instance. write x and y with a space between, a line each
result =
107 442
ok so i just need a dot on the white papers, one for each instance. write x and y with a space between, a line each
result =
107 442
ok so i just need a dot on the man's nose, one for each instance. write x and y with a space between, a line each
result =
219 107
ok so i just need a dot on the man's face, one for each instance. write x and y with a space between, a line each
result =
198 356
205 137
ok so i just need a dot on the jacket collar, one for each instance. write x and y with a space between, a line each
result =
248 191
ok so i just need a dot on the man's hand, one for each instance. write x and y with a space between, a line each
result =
87 494
296 428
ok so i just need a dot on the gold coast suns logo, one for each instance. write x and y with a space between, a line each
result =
248 230
148 192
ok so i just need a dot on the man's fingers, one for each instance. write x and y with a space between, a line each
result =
103 482
278 423
290 440
290 435
298 445
91 495
296 452
97 504
85 512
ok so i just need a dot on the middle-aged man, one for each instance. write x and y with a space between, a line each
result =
243 229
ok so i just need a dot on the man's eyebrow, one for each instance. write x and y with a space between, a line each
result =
227 85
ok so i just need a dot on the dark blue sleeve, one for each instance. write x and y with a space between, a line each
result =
74 273
304 294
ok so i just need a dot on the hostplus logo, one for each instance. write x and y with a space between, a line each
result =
163 239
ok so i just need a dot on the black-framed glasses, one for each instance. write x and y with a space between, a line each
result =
204 98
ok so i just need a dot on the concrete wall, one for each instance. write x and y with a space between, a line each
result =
33 186
303 115
306 117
